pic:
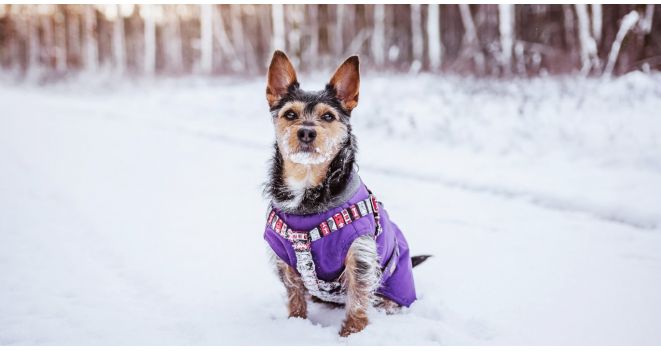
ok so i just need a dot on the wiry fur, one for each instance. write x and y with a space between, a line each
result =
296 303
361 278
310 187
314 199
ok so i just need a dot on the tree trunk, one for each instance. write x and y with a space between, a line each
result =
628 22
73 38
60 41
173 41
338 39
47 48
596 22
312 52
150 40
118 44
239 49
378 35
226 46
588 45
646 22
417 41
506 28
294 19
206 38
34 64
278 19
435 50
471 41
91 46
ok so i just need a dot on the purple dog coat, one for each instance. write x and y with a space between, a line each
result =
327 236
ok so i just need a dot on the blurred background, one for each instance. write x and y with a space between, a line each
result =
49 41
520 145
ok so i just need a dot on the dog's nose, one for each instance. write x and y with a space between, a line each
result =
306 135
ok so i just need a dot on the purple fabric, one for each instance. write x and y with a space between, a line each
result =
329 252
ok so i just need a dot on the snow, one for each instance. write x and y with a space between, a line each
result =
132 213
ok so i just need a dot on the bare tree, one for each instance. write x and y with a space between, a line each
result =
471 41
435 51
34 63
40 40
90 45
278 19
646 22
378 35
589 57
206 38
628 22
506 28
60 42
47 47
295 18
118 44
238 42
226 46
596 22
312 50
173 43
149 64
338 38
73 37
417 41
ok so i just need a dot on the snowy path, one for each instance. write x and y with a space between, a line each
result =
136 218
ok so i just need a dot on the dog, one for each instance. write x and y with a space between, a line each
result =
330 237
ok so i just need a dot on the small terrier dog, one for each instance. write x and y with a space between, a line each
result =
331 239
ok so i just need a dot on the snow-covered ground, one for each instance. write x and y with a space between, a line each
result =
132 213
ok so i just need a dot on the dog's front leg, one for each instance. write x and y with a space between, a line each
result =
297 305
361 278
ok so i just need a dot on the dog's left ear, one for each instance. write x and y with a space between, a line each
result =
346 82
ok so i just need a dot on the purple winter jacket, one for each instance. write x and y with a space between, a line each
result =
329 252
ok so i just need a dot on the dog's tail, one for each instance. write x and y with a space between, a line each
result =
416 260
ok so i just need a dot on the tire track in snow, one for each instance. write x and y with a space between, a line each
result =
540 200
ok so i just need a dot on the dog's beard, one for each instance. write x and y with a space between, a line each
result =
306 155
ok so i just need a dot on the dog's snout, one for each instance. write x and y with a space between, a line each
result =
306 135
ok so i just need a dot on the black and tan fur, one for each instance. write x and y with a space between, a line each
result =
309 170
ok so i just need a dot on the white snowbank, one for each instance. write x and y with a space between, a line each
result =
132 213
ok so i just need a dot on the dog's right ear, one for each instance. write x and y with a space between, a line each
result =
346 82
280 77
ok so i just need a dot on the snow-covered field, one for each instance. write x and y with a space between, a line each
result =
132 213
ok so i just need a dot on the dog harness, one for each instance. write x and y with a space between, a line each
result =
316 245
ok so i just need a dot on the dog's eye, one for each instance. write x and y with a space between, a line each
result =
290 115
328 117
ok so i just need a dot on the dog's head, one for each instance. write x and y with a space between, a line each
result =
311 127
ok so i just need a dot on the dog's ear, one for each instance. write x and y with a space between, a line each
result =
346 82
280 77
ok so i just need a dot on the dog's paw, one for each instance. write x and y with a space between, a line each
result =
298 314
353 325
388 306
